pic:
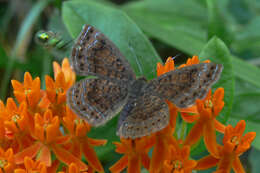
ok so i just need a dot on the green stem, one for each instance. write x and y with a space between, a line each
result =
183 129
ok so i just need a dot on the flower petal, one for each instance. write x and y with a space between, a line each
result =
19 170
31 152
206 162
237 166
17 85
134 164
159 69
158 156
91 156
119 165
219 126
145 160
245 142
27 80
97 142
45 156
210 138
66 157
189 118
195 133
169 65
225 163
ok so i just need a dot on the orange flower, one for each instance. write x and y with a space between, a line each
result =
56 90
192 61
49 139
206 124
56 94
234 145
80 142
18 125
74 169
69 74
163 140
169 65
135 154
32 166
179 161
7 164
29 91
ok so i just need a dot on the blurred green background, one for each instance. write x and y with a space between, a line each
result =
147 32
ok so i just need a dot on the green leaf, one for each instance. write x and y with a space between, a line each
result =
254 159
247 106
117 26
246 71
172 23
216 23
107 131
248 38
217 52
242 87
3 57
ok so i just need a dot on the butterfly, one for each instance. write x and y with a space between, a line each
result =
115 87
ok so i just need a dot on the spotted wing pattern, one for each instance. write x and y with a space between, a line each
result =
94 54
142 116
183 86
96 100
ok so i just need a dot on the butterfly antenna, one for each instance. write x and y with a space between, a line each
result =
179 54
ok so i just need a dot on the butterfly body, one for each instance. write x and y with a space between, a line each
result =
141 102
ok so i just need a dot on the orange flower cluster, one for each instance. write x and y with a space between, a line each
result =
171 154
40 133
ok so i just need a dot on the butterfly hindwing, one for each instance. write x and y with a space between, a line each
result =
96 100
143 116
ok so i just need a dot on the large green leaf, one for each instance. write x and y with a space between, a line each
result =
247 72
248 38
242 87
247 106
172 23
117 26
216 24
217 52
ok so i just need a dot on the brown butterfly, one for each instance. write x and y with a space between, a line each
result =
115 88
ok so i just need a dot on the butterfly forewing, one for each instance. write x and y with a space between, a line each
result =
143 116
94 54
183 86
96 100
